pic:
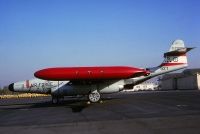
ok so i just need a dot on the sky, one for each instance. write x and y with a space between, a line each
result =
36 34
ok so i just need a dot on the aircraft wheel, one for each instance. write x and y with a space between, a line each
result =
55 100
94 96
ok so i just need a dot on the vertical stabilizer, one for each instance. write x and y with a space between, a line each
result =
174 59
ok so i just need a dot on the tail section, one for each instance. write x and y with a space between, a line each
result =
174 59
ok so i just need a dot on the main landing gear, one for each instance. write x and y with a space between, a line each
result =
94 97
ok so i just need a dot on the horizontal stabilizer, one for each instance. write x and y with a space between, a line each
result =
178 52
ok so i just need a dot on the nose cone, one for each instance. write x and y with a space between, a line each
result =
11 87
45 74
40 74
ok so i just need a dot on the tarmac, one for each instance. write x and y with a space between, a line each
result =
150 112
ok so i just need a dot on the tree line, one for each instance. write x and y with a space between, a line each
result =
5 91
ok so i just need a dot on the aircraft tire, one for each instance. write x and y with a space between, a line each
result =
94 96
57 100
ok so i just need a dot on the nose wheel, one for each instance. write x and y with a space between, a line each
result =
94 96
57 100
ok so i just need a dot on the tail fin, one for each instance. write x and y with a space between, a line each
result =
174 59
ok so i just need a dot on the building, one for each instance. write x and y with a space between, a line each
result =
144 87
188 79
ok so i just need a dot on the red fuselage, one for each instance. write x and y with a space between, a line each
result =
91 73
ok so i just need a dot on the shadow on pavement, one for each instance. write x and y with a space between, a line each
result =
77 105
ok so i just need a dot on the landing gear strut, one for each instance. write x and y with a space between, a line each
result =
57 100
94 96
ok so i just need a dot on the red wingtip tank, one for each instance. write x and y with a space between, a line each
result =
90 73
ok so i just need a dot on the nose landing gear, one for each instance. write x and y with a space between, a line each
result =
57 100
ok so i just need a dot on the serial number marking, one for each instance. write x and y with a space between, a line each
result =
171 59
164 68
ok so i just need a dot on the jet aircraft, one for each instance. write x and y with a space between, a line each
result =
95 81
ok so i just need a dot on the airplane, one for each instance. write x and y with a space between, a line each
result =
95 81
